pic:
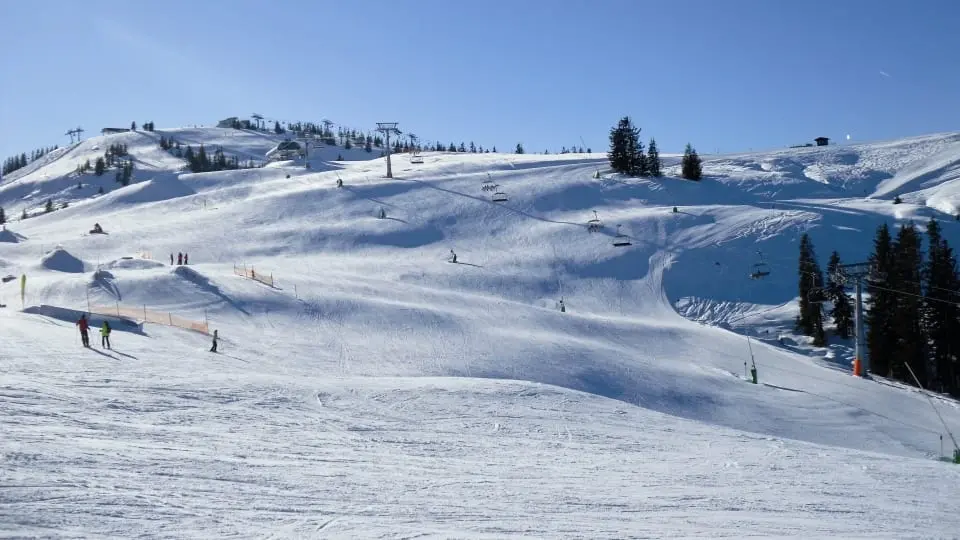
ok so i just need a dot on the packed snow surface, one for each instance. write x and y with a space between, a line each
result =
367 387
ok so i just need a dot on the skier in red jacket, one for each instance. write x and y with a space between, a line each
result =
84 326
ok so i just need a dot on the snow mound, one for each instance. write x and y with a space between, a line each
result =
10 236
134 264
154 190
61 260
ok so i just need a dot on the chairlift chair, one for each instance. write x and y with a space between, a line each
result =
760 269
594 224
488 184
416 157
621 239
499 196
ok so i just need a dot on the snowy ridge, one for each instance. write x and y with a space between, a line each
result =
417 396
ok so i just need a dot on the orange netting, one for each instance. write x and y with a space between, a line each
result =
157 317
252 273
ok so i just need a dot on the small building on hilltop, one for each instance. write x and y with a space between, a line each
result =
285 150
111 131
228 122
822 141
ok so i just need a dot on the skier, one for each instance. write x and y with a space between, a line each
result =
454 256
185 258
84 326
214 347
179 259
563 308
171 259
105 335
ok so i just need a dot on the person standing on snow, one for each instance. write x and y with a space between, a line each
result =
214 348
171 259
105 335
179 258
84 327
185 258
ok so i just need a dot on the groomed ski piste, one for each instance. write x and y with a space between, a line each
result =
377 390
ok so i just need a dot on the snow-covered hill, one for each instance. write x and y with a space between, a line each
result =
377 388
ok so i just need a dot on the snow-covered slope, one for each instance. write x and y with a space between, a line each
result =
419 396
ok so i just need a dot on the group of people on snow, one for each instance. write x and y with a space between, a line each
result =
182 258
84 326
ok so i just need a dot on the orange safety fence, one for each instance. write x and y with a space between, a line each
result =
156 317
251 273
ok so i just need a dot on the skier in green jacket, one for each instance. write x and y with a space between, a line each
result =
105 335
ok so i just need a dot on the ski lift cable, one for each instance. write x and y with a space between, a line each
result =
882 288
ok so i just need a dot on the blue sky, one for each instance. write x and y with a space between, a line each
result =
729 75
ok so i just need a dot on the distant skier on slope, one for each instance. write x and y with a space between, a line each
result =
84 327
214 347
179 258
105 335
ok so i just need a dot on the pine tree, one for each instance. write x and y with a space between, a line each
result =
881 303
348 145
368 148
623 147
100 167
519 149
691 167
48 207
276 127
473 148
908 262
640 166
810 320
842 311
203 162
191 159
133 126
654 164
3 216
24 215
941 316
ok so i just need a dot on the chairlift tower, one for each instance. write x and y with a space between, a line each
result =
857 272
387 128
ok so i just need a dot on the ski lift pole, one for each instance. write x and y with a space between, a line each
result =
956 448
753 364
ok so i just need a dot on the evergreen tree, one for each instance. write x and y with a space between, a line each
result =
941 316
623 147
48 207
654 164
133 126
368 148
842 312
203 162
494 150
691 167
100 190
452 148
3 216
519 149
191 159
473 148
276 127
347 145
881 304
640 165
908 262
462 148
100 167
810 319
24 215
